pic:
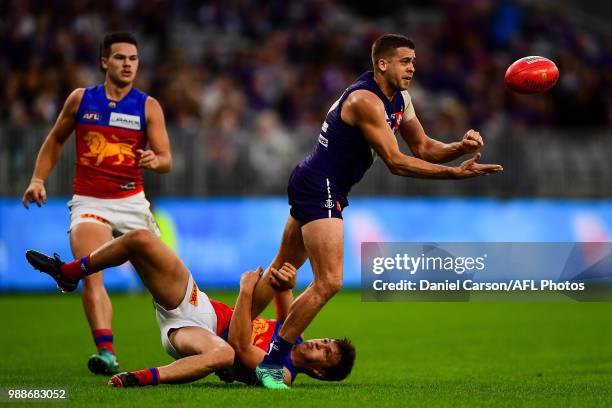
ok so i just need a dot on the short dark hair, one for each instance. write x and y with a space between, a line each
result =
340 371
113 38
386 45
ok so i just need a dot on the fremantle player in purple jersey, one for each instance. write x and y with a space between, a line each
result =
360 125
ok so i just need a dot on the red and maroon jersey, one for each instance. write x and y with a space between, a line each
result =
108 133
263 329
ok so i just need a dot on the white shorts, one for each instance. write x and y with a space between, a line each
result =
121 215
195 310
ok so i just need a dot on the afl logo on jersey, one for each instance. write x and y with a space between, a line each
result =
91 116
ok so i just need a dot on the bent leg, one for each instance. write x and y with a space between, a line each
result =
324 243
292 250
161 271
204 353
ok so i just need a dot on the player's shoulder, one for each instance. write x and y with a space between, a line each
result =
407 97
363 103
76 94
73 101
363 98
151 100
152 104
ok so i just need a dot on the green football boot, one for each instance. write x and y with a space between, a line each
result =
271 377
103 362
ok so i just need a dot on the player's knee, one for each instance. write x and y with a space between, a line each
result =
223 357
139 238
334 286
214 359
329 286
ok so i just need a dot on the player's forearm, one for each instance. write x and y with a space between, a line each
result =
407 166
438 152
48 156
282 303
239 336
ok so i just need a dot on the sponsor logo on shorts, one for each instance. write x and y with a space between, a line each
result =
323 141
193 298
91 116
124 121
329 203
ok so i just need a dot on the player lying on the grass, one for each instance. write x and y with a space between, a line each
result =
190 322
323 359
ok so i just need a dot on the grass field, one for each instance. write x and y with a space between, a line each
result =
408 354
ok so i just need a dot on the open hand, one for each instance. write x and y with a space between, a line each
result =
471 168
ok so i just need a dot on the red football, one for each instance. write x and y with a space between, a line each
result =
531 75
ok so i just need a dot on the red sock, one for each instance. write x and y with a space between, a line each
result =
77 269
148 376
104 339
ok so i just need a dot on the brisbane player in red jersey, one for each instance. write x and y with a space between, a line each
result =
119 131
193 327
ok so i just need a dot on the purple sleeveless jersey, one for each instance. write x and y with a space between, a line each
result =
319 185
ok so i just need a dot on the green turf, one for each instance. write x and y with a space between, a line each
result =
408 354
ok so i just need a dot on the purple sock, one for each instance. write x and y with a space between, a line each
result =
278 350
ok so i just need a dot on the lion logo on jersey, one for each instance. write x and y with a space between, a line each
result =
260 326
101 148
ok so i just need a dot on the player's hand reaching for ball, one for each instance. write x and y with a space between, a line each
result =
472 141
249 279
35 193
471 168
148 159
283 278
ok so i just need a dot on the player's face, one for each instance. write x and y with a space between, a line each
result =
319 353
122 63
400 68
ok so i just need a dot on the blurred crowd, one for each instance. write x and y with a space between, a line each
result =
253 80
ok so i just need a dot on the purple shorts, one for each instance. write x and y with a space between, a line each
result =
313 197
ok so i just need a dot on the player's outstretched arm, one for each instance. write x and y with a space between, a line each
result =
239 336
434 151
51 149
159 157
364 109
